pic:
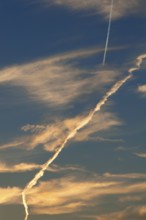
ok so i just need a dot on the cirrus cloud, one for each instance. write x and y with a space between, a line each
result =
121 8
59 80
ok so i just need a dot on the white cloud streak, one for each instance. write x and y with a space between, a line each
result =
13 144
17 168
24 167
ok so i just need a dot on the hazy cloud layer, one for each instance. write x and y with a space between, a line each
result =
121 8
74 193
10 195
71 194
130 213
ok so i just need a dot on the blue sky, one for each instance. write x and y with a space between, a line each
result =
52 85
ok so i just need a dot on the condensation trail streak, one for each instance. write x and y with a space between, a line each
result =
108 33
72 134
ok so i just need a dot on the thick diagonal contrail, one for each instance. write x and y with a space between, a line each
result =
108 33
72 133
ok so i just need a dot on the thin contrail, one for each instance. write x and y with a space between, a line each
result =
72 134
108 33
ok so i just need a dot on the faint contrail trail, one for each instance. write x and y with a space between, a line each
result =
72 133
108 32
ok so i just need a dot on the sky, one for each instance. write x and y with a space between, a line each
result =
73 127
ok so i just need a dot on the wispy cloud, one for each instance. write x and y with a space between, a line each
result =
142 89
121 8
55 133
71 194
52 135
65 196
132 212
131 198
58 81
13 144
141 154
126 176
77 192
25 167
102 121
21 167
33 128
10 195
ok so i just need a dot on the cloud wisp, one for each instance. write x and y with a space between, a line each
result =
17 168
141 154
131 212
54 134
121 8
50 136
59 80
25 167
142 89
76 191
73 133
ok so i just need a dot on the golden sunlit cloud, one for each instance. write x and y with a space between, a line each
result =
55 134
77 192
57 81
52 135
141 154
71 194
10 195
25 167
142 89
21 167
130 213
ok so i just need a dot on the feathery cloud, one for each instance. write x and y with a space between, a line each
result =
54 134
70 194
58 81
25 167
33 128
121 8
76 192
142 89
13 144
102 121
10 195
130 213
141 154
16 168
